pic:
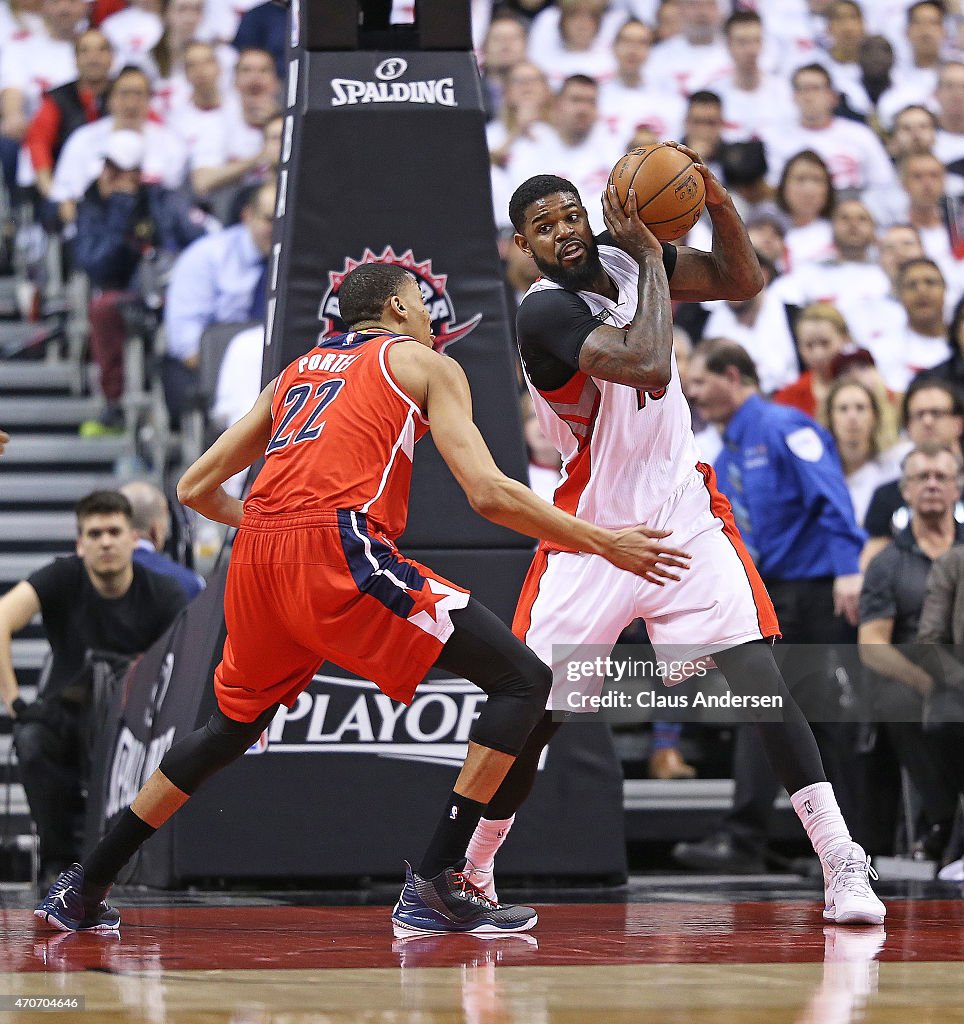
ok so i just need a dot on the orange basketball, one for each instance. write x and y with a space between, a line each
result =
670 194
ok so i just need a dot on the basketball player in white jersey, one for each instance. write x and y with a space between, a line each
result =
595 335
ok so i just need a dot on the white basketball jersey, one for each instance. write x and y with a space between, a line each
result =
624 452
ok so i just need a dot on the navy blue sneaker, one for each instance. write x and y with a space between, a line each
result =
450 903
66 909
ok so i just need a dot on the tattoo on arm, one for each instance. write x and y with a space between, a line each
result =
641 354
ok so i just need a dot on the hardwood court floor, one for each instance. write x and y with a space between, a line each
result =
675 950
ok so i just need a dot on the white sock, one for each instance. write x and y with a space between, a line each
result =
489 835
817 809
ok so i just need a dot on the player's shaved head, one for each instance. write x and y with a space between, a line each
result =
534 189
367 288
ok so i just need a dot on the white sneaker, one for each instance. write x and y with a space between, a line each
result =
848 897
953 872
482 878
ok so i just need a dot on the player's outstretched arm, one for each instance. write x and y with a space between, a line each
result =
505 501
237 448
731 270
4 441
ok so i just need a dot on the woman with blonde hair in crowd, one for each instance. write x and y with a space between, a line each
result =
822 334
867 446
860 364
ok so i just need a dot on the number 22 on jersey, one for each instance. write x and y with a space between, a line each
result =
317 397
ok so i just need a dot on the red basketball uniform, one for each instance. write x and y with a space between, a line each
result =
315 575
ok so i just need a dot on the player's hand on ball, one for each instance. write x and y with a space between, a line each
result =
715 192
626 228
641 550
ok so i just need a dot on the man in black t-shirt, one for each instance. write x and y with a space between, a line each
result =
97 600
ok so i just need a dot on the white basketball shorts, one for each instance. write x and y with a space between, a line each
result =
570 599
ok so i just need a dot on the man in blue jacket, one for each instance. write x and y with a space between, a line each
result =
783 477
124 226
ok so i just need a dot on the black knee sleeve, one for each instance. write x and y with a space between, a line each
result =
216 744
483 650
517 701
517 784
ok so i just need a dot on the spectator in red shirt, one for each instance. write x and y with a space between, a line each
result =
69 106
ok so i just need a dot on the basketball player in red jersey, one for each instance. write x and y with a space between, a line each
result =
315 575
596 341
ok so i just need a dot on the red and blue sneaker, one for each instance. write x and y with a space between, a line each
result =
449 902
65 908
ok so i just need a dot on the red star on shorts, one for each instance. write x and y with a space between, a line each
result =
425 600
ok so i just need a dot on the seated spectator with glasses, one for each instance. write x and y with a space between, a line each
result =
932 414
891 600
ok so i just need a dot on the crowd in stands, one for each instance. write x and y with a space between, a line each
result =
129 133
146 138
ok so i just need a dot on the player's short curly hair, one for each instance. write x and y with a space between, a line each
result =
366 289
529 191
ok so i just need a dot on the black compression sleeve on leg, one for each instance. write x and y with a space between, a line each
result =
789 745
483 650
207 750
517 784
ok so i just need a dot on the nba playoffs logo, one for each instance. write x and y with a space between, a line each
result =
432 285
352 716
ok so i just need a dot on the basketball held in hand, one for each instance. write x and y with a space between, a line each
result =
670 194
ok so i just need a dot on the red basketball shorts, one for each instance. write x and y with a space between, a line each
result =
303 589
